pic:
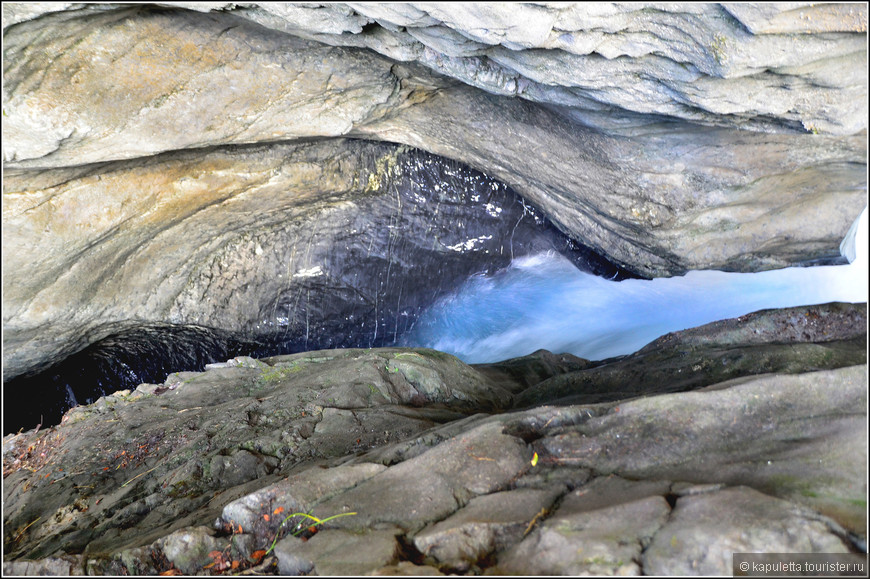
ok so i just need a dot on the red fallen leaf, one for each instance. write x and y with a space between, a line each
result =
257 556
266 518
216 554
235 565
278 511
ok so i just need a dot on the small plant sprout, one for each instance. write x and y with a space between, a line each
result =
301 526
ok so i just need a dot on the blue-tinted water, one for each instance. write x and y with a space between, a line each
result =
543 301
539 301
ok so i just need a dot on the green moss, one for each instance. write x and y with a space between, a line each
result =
718 47
268 447
564 528
277 374
603 561
782 485
184 490
436 355
159 101
425 353
861 503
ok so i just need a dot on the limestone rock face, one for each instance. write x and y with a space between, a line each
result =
765 341
750 518
659 192
718 64
309 246
155 156
795 65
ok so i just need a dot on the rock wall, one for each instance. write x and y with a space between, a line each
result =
212 163
313 245
138 139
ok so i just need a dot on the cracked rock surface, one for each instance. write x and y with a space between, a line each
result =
407 461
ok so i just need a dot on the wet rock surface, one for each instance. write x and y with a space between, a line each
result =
606 541
197 164
205 165
827 336
741 517
407 461
386 231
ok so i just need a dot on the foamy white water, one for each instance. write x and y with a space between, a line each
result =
543 301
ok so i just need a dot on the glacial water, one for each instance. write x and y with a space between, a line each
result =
543 301
539 301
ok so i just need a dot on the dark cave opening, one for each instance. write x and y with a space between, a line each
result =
384 282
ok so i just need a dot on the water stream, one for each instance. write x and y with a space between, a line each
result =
540 300
543 301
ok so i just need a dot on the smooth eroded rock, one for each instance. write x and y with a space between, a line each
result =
787 340
486 524
740 432
222 464
704 531
278 249
606 541
338 552
476 462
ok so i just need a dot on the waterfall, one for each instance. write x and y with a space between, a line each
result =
543 301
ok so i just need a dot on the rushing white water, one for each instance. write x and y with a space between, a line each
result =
545 302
